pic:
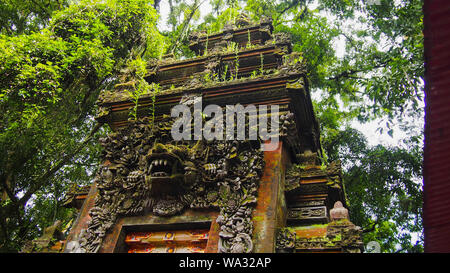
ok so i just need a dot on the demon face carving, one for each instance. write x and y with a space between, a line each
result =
146 171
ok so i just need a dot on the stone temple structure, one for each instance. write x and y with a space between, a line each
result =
156 194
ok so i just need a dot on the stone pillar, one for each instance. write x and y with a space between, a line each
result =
81 223
270 212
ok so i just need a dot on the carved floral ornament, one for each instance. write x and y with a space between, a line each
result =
146 171
285 240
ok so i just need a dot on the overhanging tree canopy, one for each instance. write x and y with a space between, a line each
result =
50 78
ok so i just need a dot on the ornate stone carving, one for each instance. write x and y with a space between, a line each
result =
349 235
74 246
147 172
334 174
307 213
285 240
311 203
282 38
298 172
309 244
342 236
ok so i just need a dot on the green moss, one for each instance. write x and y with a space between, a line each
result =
342 222
310 227
296 85
258 218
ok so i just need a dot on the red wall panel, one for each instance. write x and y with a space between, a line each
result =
437 126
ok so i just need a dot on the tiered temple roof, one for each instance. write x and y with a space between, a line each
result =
300 205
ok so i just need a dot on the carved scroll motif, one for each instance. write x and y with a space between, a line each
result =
307 213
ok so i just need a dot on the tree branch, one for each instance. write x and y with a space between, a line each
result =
185 26
37 183
371 229
41 8
290 6
5 180
349 73
156 4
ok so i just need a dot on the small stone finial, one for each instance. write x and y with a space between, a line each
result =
338 212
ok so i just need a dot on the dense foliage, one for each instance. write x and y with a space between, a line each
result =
55 57
50 78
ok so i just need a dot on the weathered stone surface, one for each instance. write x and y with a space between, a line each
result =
285 241
338 212
337 236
